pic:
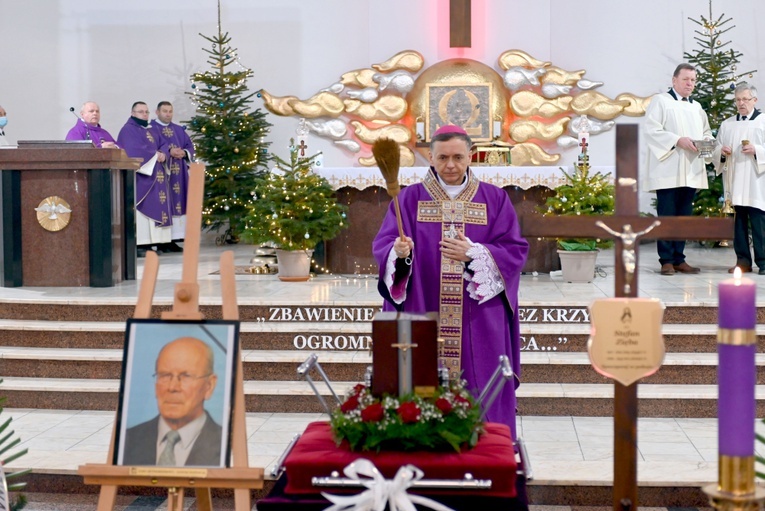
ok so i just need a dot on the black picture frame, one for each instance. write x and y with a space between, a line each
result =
160 395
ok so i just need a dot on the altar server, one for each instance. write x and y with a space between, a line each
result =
741 151
673 120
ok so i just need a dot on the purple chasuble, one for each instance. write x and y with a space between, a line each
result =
84 131
174 136
488 330
152 196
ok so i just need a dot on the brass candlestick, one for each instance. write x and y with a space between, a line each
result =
736 489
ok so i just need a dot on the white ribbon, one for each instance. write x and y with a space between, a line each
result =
381 491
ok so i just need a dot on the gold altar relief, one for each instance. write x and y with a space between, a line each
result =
528 154
402 99
466 105
636 106
408 60
279 106
324 104
368 135
522 131
625 341
597 105
387 108
562 77
518 58
526 104
359 78
53 213
406 158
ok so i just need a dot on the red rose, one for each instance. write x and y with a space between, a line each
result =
359 388
351 404
409 412
444 405
372 413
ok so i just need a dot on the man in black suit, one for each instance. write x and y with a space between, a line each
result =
184 433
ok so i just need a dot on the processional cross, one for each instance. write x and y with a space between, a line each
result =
459 24
626 226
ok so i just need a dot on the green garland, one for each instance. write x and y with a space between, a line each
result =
451 419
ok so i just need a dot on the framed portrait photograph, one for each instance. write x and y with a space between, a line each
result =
468 106
176 393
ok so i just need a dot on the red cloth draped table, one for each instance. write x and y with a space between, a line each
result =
317 455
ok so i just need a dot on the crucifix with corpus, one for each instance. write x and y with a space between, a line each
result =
626 226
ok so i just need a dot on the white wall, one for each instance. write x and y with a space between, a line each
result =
59 53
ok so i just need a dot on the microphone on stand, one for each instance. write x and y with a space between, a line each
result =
87 128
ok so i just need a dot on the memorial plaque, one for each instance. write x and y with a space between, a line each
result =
625 340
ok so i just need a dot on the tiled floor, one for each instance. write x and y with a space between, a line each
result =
562 449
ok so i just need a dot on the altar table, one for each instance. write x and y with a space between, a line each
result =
362 189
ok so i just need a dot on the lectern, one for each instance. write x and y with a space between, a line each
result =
68 215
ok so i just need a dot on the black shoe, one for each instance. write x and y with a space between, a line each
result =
761 272
141 252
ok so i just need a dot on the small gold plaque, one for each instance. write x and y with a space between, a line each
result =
625 340
53 213
168 472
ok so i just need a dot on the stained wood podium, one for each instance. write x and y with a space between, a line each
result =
97 247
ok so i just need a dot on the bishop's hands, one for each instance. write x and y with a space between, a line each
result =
403 248
456 248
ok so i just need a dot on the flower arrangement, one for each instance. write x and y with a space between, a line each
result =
450 419
583 194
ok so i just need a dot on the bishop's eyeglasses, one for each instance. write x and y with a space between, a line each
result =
183 378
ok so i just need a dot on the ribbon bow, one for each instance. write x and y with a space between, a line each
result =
381 491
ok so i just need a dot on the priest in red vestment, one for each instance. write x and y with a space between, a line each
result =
462 257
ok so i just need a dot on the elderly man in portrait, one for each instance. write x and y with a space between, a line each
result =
184 433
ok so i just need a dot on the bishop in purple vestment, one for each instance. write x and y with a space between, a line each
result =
462 257
87 127
140 139
181 151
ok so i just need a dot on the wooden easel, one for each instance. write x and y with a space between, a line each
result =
240 477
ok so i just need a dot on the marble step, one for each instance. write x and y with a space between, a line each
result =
281 365
328 336
119 308
543 399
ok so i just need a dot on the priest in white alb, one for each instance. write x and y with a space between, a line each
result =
674 168
740 156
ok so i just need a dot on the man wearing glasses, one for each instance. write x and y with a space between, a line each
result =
184 433
740 155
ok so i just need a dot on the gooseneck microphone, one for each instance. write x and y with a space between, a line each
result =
87 128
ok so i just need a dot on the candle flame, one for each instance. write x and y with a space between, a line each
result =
737 275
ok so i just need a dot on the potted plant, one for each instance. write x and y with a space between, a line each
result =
293 209
584 193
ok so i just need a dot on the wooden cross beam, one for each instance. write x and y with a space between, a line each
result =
459 24
626 213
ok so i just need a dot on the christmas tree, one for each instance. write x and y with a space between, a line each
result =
293 208
229 137
716 64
